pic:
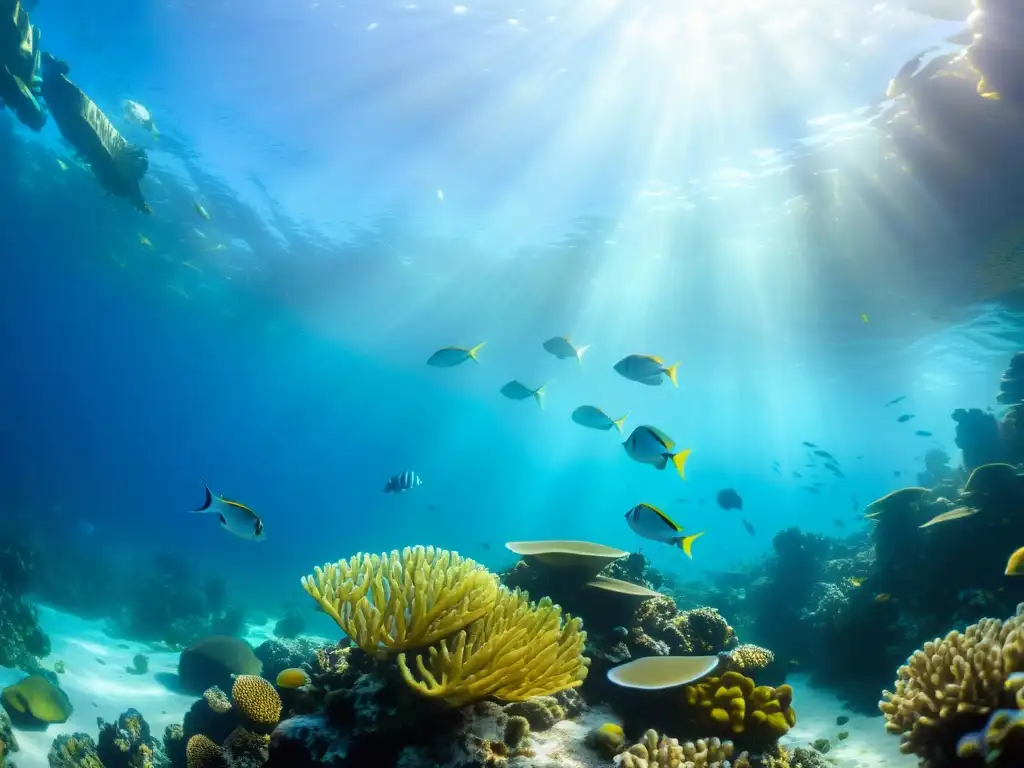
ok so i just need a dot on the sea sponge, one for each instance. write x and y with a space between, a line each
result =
733 705
202 752
652 752
214 661
36 699
949 688
748 658
217 700
608 739
517 731
517 651
293 677
402 600
257 701
542 712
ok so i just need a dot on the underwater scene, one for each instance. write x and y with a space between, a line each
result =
490 384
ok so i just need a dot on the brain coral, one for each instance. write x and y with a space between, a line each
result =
257 701
949 689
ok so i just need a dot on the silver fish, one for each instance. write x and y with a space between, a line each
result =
234 516
516 390
651 523
563 349
649 445
404 481
646 369
593 417
449 357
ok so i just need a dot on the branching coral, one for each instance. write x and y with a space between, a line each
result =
517 651
652 752
733 705
950 688
403 600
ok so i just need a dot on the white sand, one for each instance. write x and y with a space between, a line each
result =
97 683
868 746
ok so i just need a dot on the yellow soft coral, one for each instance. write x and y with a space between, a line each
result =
953 681
517 651
733 705
402 600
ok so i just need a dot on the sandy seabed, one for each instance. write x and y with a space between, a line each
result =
98 683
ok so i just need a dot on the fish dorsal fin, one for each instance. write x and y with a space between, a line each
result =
238 505
668 520
223 521
655 359
665 440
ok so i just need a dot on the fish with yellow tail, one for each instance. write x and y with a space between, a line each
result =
563 349
649 445
646 369
593 417
234 516
516 390
1015 565
449 357
651 523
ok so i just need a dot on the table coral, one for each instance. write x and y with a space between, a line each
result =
950 693
402 600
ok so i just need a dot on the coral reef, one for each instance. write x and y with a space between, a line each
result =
22 641
961 697
279 655
126 743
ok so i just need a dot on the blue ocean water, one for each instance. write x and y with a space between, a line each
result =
387 179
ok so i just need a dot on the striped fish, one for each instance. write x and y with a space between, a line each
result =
402 482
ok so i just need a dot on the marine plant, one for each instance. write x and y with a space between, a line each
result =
476 637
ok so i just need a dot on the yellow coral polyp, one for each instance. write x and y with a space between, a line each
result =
519 650
402 600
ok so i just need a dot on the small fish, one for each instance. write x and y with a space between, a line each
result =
563 349
834 469
449 357
485 545
234 516
953 514
777 468
905 418
896 400
796 475
727 498
652 446
516 390
61 164
883 597
863 318
923 433
138 114
824 455
843 735
809 445
404 481
143 240
593 417
842 720
201 211
839 523
856 581
749 527
651 523
646 369
1015 565
896 473
812 489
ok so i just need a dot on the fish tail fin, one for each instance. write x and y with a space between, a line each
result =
679 461
538 395
207 502
155 132
473 352
620 421
581 351
685 543
671 373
